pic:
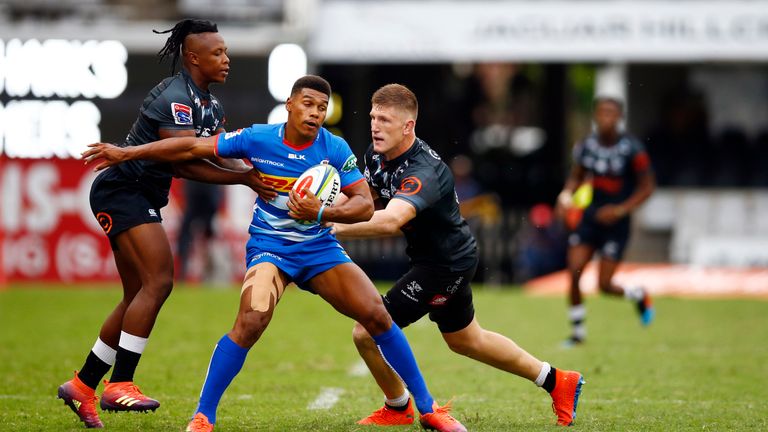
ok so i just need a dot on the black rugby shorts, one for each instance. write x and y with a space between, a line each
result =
445 296
119 203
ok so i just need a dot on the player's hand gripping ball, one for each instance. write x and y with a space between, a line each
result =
322 180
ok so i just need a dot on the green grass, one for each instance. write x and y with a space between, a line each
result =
702 366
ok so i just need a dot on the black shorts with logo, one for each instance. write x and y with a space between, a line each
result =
120 203
445 296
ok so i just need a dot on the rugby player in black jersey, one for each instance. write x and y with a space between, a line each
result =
126 200
619 171
416 190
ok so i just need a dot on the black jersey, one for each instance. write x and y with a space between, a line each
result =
612 169
175 103
438 236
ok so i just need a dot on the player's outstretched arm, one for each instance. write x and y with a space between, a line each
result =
167 150
384 223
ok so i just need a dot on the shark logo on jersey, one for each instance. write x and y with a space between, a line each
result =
182 114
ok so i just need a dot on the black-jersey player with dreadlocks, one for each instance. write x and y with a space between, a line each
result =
126 200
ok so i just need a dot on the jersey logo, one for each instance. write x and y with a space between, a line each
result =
297 156
229 135
105 221
409 186
281 184
349 164
182 114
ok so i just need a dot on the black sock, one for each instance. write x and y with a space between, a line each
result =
93 370
125 365
400 408
549 381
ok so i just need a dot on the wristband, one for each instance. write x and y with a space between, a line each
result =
320 213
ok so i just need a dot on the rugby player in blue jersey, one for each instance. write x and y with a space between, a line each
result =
282 250
126 200
417 192
619 170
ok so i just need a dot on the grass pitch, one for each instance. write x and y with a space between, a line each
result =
701 366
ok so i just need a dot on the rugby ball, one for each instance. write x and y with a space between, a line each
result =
323 180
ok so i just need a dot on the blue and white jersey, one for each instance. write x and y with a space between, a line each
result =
280 164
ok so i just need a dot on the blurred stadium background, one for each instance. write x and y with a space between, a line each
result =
505 87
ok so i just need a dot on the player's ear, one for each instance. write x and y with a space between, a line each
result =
409 126
192 57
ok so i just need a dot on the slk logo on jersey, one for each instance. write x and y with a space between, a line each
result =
182 114
297 156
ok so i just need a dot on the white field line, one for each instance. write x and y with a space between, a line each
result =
327 398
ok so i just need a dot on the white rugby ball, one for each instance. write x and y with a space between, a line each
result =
323 180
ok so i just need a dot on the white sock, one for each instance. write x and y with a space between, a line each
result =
577 314
398 402
104 352
634 294
545 368
132 343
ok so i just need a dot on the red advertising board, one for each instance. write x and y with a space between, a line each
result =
48 233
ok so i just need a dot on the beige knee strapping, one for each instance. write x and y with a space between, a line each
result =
266 286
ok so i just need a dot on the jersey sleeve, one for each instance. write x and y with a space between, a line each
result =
641 162
171 110
346 163
234 144
419 186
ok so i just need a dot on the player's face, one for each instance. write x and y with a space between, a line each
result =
211 54
306 112
390 128
607 117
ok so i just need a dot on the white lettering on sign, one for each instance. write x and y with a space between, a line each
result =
46 129
34 201
62 68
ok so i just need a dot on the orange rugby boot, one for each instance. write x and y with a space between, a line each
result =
565 396
199 423
440 420
125 396
386 416
82 400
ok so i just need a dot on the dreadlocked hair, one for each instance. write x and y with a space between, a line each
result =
172 47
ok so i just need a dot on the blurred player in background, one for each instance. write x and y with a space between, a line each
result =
416 189
126 200
202 202
282 249
619 171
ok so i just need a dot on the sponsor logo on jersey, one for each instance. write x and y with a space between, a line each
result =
182 114
297 156
267 162
409 186
349 164
281 184
232 134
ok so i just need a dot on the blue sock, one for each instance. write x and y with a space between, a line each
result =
226 361
394 346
